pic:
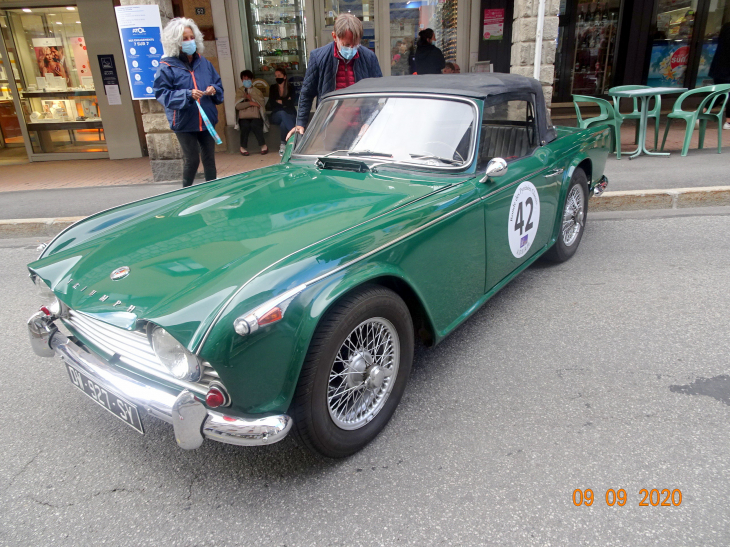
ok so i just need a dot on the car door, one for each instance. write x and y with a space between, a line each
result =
520 206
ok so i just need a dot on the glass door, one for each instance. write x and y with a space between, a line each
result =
407 19
363 10
12 143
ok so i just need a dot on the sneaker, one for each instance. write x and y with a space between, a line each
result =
282 147
726 126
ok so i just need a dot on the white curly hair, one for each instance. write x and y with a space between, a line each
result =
172 36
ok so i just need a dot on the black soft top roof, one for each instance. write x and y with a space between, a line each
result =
475 85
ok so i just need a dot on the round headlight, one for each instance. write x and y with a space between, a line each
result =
182 364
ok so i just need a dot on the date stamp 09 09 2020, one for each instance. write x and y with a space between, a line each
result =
618 497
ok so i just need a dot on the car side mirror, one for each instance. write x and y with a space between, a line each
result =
495 168
291 144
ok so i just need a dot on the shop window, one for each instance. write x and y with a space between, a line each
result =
56 88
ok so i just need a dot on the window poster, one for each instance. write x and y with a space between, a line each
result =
140 29
493 24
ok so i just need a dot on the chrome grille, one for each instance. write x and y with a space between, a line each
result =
133 349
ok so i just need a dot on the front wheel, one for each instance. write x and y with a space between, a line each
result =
355 372
573 219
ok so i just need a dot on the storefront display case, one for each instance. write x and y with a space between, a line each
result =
595 45
277 36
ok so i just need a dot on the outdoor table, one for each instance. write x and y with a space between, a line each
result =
645 95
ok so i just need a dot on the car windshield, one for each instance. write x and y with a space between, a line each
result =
417 130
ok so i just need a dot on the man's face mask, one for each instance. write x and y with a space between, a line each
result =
189 47
247 83
346 52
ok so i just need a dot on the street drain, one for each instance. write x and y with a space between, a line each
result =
717 387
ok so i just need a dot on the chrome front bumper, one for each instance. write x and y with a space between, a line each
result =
191 420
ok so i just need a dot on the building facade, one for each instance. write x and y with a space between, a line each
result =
54 104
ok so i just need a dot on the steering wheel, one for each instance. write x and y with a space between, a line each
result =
456 153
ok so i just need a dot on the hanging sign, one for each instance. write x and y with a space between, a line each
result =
140 29
493 24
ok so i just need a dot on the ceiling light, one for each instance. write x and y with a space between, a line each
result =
27 10
70 8
59 23
78 22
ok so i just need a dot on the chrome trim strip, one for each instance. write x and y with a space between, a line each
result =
511 184
199 345
415 95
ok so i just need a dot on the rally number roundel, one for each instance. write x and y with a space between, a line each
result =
524 217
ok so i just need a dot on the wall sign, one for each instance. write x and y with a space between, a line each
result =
493 24
109 79
140 29
199 11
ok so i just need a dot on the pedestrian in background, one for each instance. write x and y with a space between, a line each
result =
429 59
282 107
452 68
336 66
720 66
184 80
251 110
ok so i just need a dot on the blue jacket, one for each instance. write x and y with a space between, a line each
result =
322 71
174 81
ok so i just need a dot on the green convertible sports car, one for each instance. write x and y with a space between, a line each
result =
290 297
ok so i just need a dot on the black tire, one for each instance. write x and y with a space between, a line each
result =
575 217
314 423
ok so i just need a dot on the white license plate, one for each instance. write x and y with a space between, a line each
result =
122 409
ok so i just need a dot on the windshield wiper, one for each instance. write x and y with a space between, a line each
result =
433 157
369 153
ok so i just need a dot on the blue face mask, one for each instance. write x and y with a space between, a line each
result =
347 52
189 47
247 83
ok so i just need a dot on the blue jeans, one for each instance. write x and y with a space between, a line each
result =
285 121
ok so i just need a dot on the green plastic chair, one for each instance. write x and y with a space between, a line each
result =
717 96
636 113
607 116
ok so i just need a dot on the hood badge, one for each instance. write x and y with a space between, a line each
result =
120 273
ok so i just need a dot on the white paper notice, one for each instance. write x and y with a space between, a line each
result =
223 47
112 94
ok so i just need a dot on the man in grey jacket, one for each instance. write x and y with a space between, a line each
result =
336 66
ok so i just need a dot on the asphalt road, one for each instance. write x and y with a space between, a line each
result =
700 168
608 371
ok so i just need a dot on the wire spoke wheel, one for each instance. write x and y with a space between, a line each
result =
363 373
573 215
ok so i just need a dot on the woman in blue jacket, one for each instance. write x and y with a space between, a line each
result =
183 78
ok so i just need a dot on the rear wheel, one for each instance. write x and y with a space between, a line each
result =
573 220
355 372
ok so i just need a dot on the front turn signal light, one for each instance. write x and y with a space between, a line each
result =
266 314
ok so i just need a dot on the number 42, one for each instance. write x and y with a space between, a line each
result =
519 218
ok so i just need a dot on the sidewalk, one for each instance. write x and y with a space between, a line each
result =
44 175
45 196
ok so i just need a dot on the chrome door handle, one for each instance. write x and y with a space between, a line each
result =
554 172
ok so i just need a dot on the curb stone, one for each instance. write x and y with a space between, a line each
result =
628 200
674 198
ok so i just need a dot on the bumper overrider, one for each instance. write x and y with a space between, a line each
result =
600 186
191 420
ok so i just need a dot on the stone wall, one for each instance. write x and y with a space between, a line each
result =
524 31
